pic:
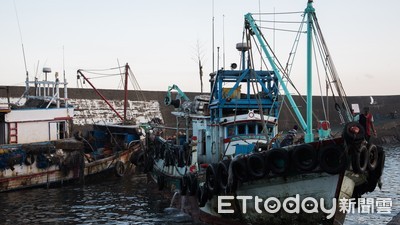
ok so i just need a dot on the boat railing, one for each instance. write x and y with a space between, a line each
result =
47 91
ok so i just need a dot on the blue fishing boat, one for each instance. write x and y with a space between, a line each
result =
227 149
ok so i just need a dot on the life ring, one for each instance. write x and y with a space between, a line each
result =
353 133
277 160
192 184
373 157
359 159
211 178
119 169
333 159
223 174
239 169
256 165
160 182
251 114
304 157
30 159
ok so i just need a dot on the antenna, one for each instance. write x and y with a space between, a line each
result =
63 64
259 17
223 41
213 53
20 36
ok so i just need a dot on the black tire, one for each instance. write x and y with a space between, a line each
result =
30 159
211 178
277 160
183 185
350 136
119 168
223 174
373 157
202 196
359 159
239 169
256 165
305 157
160 182
333 159
137 158
192 184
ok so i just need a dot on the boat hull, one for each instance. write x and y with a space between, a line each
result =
292 194
26 176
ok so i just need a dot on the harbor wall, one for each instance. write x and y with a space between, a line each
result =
385 109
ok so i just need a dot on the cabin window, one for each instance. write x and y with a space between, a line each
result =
260 128
251 128
242 129
230 131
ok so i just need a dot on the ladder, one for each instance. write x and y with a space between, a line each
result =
12 133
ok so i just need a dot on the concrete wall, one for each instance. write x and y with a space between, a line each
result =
383 107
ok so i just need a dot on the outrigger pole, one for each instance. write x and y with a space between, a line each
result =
250 20
101 96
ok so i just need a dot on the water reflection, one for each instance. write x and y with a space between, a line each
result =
116 201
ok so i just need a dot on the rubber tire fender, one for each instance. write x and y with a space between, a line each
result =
239 169
373 157
223 174
160 182
193 184
333 159
202 195
119 168
256 165
30 159
277 160
359 159
212 178
183 184
350 137
304 157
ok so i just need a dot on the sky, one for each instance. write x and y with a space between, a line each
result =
161 40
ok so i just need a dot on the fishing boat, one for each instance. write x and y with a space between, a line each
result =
228 150
37 146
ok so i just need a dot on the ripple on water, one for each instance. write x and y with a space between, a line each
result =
390 189
130 201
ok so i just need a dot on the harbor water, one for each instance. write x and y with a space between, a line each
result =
130 200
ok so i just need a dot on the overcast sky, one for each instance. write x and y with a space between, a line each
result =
159 39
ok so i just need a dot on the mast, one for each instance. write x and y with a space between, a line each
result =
126 90
309 137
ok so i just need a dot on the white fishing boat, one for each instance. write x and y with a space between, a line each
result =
37 147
